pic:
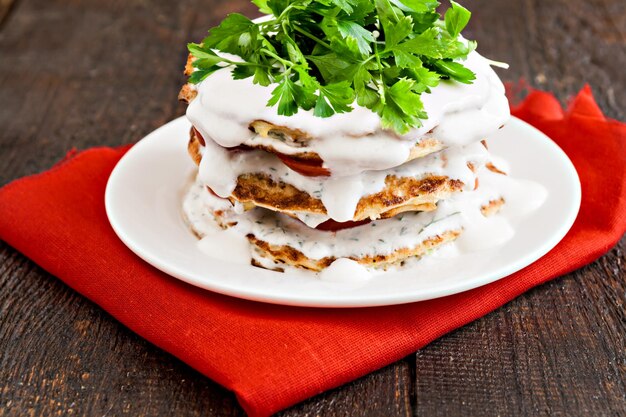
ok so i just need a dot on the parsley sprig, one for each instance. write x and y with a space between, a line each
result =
326 55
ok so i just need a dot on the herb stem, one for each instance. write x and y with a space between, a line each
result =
245 64
284 12
311 36
268 23
380 83
276 57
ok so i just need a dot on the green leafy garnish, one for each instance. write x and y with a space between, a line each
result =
325 55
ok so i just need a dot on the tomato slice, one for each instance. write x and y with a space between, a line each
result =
333 226
301 166
304 167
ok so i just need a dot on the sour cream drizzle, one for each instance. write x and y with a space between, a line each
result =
458 213
350 143
219 169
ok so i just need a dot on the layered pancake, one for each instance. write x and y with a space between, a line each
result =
277 240
296 148
266 254
258 179
295 143
234 113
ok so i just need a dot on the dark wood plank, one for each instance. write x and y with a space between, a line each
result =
87 73
5 8
557 350
386 392
557 45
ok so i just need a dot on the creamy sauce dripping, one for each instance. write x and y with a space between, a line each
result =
460 212
350 143
219 169
345 270
360 155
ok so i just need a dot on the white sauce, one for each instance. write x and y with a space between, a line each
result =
460 212
359 155
219 169
351 143
345 270
228 245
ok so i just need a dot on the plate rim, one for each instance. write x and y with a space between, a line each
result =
302 300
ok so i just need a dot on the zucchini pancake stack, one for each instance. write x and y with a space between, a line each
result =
342 129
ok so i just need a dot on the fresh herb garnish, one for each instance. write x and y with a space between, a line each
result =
326 54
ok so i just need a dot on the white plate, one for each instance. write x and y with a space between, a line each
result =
143 203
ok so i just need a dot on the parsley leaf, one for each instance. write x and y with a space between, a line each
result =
455 71
456 18
226 36
200 75
334 98
420 5
346 5
327 55
285 96
361 36
427 43
262 5
330 66
402 105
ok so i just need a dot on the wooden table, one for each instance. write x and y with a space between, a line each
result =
84 73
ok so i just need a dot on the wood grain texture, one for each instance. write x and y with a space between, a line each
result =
5 9
83 73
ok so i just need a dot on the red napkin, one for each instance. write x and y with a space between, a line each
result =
274 356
